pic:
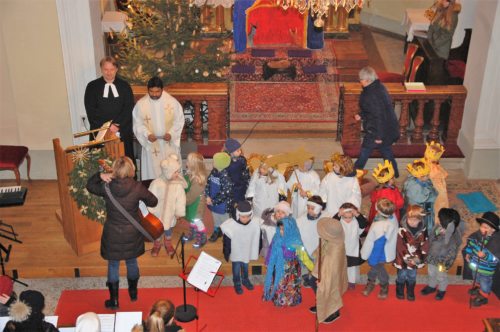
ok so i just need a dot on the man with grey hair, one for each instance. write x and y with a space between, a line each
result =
380 123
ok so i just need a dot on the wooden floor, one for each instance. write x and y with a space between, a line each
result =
45 253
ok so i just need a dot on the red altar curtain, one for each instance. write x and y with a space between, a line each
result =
275 26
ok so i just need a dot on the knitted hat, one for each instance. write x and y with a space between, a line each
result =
169 166
283 206
34 299
243 208
221 160
88 322
6 285
491 219
232 145
28 308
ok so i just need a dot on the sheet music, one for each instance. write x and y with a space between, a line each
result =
52 320
3 322
66 329
126 320
107 322
104 129
203 272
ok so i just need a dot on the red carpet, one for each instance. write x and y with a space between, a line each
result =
230 312
283 102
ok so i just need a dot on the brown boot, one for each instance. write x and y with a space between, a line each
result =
370 285
384 291
156 248
167 242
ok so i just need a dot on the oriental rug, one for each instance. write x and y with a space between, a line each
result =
283 102
230 312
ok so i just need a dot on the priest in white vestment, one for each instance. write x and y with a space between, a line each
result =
158 123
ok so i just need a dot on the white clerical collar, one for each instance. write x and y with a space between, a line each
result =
113 89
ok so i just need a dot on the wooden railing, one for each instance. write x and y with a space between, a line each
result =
213 96
434 102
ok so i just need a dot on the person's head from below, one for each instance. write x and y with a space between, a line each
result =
88 322
221 161
447 217
489 223
367 75
233 147
306 165
342 165
155 88
244 212
282 210
314 206
346 211
161 314
385 207
170 167
109 68
123 167
384 173
414 215
195 165
419 169
28 310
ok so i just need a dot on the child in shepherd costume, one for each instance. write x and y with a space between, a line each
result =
169 189
353 224
384 175
445 242
482 254
238 169
303 183
196 178
418 190
241 243
330 270
341 185
219 192
379 247
265 188
437 175
283 276
411 250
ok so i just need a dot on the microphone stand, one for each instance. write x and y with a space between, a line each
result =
185 312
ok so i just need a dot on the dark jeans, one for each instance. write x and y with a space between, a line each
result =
367 148
238 275
114 267
407 275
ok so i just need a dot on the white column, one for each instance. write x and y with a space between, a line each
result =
82 46
480 137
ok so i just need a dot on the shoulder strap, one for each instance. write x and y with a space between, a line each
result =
126 214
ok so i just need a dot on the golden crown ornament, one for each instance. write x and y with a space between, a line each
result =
422 169
433 151
389 174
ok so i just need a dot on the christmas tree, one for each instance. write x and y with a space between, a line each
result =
163 37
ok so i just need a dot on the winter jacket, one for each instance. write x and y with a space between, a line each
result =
411 249
172 200
444 247
120 239
379 120
240 176
26 320
220 190
380 243
487 265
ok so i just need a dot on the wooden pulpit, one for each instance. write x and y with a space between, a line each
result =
82 233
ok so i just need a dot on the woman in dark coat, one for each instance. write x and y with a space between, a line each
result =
120 239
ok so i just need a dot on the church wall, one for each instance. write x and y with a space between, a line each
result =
32 77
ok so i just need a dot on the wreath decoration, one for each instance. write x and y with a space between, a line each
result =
86 163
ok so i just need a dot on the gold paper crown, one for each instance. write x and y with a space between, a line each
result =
431 154
387 166
419 170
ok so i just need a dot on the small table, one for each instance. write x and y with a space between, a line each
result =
278 67
415 20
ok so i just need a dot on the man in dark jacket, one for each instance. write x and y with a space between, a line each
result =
380 123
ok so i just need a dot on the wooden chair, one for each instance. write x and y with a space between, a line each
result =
11 157
388 77
415 65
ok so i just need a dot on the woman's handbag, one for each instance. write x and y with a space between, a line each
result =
151 227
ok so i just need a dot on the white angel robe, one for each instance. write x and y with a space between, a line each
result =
265 195
157 117
336 190
309 232
351 241
310 182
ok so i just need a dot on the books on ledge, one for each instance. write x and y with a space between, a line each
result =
415 87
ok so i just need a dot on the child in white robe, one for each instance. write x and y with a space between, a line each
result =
303 183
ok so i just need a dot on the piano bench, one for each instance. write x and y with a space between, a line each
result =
11 157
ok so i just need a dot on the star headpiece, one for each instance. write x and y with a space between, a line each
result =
433 151
387 172
419 168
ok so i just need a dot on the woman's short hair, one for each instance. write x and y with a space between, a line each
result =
368 74
109 59
123 167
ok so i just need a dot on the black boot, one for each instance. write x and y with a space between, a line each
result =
215 235
400 290
132 289
410 288
112 303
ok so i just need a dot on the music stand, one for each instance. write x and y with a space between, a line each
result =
12 237
185 312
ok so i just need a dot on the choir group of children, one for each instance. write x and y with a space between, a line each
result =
316 240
